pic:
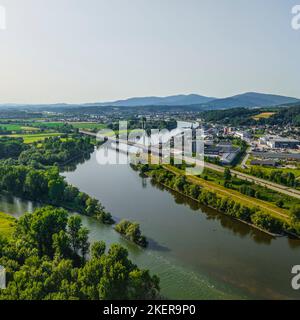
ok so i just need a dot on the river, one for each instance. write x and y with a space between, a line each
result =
197 252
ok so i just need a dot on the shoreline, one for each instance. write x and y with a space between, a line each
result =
273 235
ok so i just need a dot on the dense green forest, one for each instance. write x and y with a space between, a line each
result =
11 147
49 256
289 115
48 186
34 175
55 150
234 117
47 259
244 116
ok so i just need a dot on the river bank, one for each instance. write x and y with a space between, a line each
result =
274 235
197 252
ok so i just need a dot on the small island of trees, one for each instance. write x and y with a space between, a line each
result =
132 232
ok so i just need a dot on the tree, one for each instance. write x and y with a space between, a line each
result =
56 189
279 203
194 191
36 185
227 174
61 245
92 206
40 227
74 226
179 183
11 147
295 212
70 193
143 285
98 249
84 245
131 231
35 274
116 268
267 222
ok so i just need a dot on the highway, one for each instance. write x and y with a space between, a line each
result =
265 183
243 176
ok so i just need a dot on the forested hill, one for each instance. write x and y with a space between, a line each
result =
235 116
289 115
243 116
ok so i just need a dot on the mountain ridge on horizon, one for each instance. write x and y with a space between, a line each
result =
179 99
247 99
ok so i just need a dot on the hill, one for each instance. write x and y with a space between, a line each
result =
159 101
249 100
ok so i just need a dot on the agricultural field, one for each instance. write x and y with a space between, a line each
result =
50 125
263 115
54 125
17 127
7 225
78 125
31 138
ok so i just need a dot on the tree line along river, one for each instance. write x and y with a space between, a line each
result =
197 252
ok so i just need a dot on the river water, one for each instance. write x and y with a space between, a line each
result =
197 252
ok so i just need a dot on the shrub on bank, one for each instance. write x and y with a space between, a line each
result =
132 232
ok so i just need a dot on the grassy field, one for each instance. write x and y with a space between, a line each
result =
50 125
36 125
17 127
235 195
7 225
268 170
263 115
30 138
78 125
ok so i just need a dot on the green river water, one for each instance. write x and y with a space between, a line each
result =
197 252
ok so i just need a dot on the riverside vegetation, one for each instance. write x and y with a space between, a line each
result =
45 254
252 215
132 232
34 175
46 258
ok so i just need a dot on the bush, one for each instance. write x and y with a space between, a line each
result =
132 232
267 222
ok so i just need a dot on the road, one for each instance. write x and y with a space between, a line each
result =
243 176
265 183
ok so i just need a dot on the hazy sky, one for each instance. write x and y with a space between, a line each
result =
97 50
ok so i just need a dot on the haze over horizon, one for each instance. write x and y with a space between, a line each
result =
184 97
74 51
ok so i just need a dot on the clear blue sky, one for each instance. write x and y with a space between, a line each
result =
99 50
